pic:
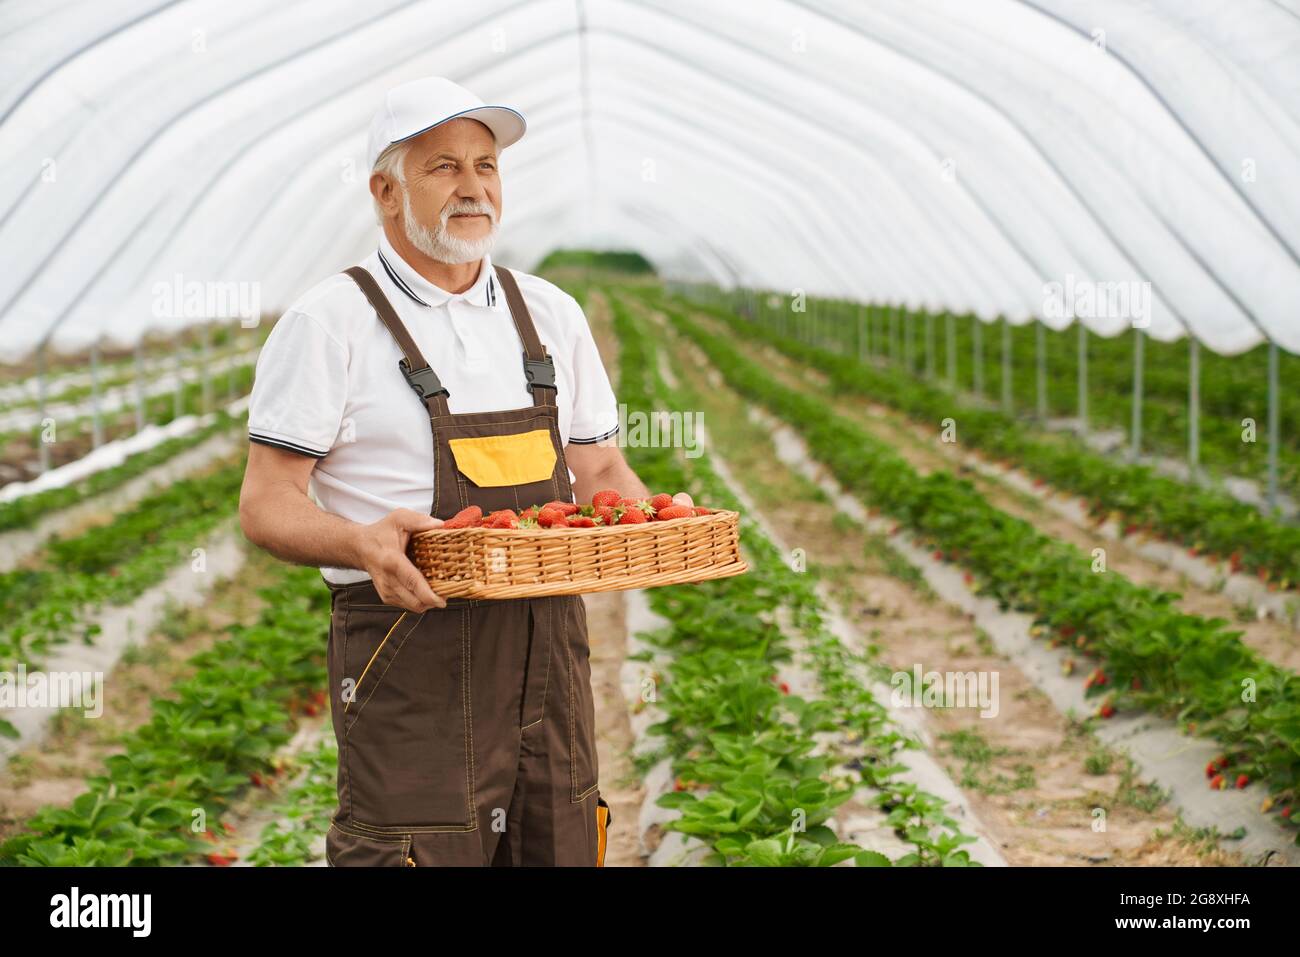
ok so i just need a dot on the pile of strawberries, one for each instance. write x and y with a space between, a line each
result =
607 507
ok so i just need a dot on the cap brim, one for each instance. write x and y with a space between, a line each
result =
506 124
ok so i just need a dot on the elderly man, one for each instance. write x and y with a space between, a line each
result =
466 728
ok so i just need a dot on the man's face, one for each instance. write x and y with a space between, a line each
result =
452 200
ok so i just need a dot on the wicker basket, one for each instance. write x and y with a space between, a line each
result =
532 562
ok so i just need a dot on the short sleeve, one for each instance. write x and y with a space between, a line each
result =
299 387
595 409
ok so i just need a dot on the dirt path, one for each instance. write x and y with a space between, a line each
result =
1275 640
1034 778
620 784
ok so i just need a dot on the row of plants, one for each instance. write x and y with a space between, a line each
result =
158 410
1150 654
213 737
120 374
51 601
26 511
1232 388
189 342
749 783
1202 519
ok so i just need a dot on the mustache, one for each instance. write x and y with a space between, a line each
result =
469 206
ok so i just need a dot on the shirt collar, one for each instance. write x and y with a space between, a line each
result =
485 293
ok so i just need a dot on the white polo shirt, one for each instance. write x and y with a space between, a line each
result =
327 383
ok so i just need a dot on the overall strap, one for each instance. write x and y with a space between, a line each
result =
539 368
422 379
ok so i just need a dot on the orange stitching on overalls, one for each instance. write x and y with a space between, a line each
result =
471 769
546 685
372 661
573 719
380 679
347 775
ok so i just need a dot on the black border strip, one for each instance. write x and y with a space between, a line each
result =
599 438
287 446
398 281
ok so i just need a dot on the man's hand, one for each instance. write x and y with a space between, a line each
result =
383 551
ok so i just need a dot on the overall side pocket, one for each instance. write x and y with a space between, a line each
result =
406 727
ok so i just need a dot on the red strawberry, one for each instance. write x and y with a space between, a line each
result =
568 508
222 860
530 512
465 518
785 688
1217 783
701 510
550 517
661 501
256 780
1223 761
1211 770
505 520
674 511
937 555
606 514
1242 781
581 521
633 516
606 497
1107 710
1286 811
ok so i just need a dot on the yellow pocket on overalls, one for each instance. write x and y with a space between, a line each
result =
495 460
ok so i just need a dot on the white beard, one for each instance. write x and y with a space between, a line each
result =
439 244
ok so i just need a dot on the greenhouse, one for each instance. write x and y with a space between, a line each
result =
857 433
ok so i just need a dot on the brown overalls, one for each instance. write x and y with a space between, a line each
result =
466 734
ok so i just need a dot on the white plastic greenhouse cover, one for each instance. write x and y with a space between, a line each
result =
942 154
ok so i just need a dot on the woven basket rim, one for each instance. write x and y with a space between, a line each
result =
640 527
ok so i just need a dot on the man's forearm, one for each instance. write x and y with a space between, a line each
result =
293 528
618 476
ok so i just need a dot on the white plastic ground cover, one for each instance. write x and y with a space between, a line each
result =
112 454
940 154
1162 753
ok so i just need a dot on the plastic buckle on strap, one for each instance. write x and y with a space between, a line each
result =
424 381
539 372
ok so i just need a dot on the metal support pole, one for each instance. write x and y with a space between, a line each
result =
951 321
893 336
177 392
1194 407
96 416
909 348
43 448
1272 427
139 385
1040 347
1006 366
1083 378
929 346
977 354
864 331
1136 430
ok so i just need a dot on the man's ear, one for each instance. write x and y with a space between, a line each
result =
386 193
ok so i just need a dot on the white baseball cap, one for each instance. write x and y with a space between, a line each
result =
420 105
